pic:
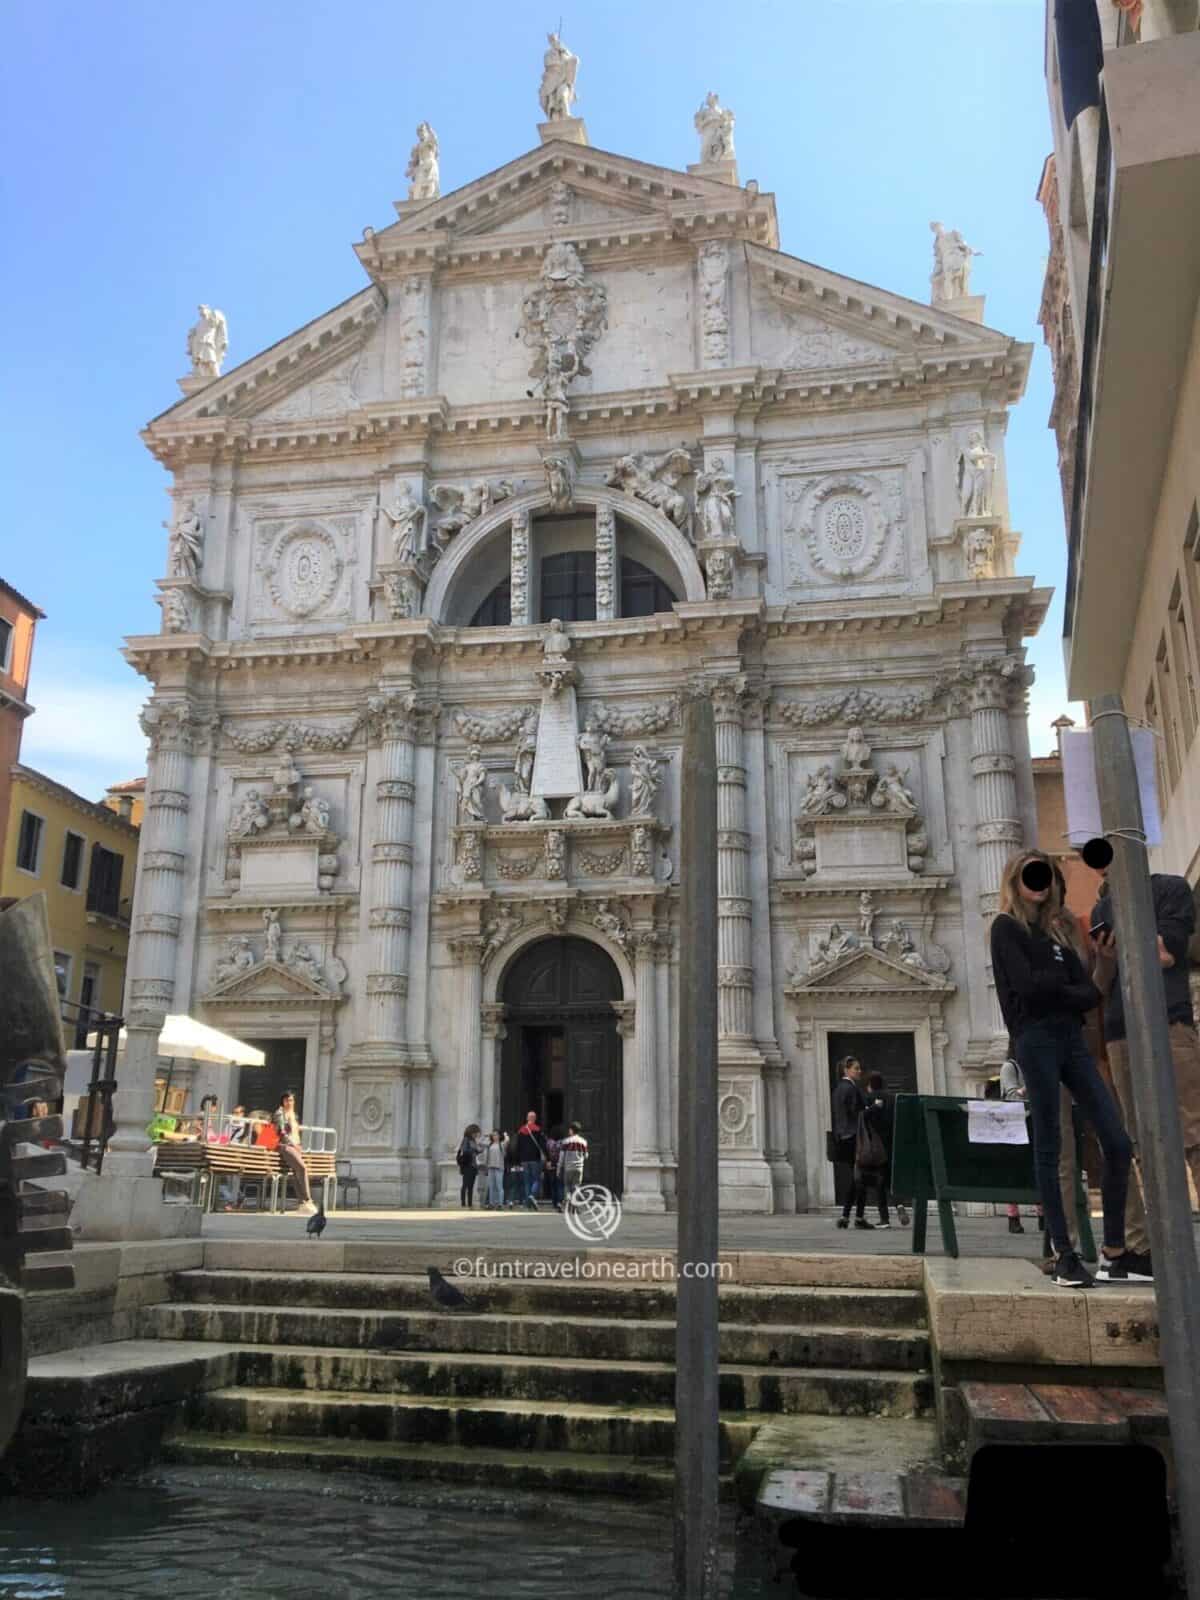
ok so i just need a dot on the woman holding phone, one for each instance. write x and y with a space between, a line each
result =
1044 992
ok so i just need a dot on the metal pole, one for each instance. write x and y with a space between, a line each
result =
1159 1136
697 1424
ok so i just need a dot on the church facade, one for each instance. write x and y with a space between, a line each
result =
442 568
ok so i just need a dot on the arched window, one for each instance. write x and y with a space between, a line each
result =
496 610
643 592
568 587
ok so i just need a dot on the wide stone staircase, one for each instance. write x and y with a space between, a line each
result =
544 1383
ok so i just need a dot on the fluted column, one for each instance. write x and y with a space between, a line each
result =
173 730
735 974
493 1035
469 952
998 830
993 770
664 1070
391 871
645 1127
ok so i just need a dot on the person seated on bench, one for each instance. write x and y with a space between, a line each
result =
288 1126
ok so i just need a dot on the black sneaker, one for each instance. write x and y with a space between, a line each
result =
1070 1273
861 1222
843 1222
1131 1266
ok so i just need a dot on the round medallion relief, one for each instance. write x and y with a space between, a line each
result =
304 570
733 1113
845 528
371 1114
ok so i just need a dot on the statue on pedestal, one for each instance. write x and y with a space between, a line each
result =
274 933
951 276
471 779
208 340
186 547
714 123
407 517
976 476
559 70
422 171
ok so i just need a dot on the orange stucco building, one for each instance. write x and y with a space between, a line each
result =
19 618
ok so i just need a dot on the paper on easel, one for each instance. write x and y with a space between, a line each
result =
1082 795
996 1122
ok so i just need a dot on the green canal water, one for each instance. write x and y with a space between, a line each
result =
190 1534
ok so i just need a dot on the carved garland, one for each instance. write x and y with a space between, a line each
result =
482 727
624 721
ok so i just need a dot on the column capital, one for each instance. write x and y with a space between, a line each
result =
175 725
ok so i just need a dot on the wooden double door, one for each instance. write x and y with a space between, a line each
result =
562 1052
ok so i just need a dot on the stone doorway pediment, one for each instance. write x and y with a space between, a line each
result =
869 971
270 982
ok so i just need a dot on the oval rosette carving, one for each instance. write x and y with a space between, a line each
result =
304 569
843 522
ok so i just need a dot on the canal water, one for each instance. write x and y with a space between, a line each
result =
200 1534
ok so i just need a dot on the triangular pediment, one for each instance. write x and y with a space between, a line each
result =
605 189
269 980
316 371
870 971
803 312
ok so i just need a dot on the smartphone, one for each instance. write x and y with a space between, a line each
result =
1100 930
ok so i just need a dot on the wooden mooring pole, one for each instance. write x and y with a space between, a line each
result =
696 1357
1159 1135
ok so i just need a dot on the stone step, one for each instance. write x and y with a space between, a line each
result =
585 1338
551 1471
793 1306
587 1428
820 1391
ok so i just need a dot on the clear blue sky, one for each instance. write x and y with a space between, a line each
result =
164 154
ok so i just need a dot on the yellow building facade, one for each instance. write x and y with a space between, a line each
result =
83 856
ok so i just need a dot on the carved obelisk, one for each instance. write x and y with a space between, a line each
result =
557 772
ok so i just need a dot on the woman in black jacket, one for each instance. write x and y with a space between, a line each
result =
1044 992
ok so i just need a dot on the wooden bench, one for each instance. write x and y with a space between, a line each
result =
208 1163
321 1169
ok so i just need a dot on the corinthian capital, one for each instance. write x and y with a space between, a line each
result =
172 725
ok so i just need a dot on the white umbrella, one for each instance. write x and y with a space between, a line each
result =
185 1039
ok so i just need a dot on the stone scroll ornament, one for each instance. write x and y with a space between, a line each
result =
562 316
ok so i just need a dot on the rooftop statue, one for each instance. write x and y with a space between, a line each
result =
558 80
423 172
714 124
208 341
951 276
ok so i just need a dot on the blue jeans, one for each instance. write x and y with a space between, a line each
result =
1049 1054
495 1187
533 1179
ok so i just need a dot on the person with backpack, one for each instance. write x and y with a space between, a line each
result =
469 1151
881 1114
572 1157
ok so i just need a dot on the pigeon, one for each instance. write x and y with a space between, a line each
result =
316 1225
445 1294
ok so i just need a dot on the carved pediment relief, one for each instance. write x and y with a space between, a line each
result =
553 206
865 970
269 981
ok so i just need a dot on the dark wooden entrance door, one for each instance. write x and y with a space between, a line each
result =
562 1053
892 1054
261 1088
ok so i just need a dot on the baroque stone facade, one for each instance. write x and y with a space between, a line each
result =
442 567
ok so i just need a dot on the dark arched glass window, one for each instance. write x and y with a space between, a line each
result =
643 592
496 610
569 587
